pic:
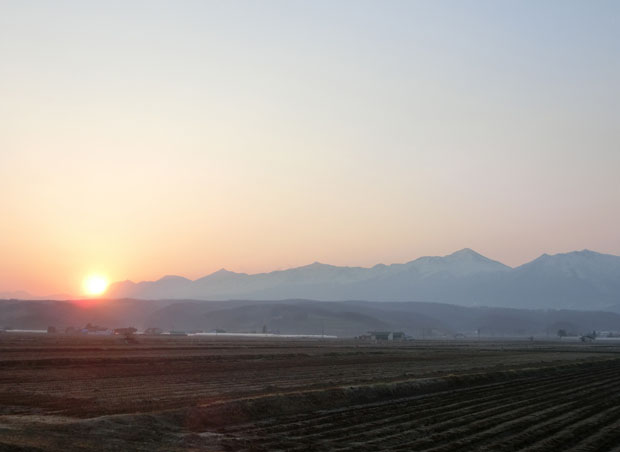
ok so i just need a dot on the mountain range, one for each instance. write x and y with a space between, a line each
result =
584 280
340 318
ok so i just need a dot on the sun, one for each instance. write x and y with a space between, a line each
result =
95 284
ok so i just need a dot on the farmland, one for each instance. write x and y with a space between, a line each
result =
61 392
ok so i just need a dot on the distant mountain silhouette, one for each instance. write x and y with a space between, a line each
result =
340 318
575 280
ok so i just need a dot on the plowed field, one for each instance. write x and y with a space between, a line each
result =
62 392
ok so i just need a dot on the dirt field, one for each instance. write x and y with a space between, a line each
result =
61 392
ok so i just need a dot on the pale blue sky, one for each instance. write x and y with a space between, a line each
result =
145 138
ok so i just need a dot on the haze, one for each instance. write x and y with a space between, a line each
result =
140 139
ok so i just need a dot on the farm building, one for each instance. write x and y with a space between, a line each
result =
106 332
383 336
96 330
177 333
153 331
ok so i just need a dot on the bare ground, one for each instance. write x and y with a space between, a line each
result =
62 392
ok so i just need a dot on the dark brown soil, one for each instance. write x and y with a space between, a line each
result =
62 392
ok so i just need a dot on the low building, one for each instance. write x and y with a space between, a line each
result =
177 333
383 336
96 330
106 332
153 331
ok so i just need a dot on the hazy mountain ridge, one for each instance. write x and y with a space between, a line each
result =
576 280
344 319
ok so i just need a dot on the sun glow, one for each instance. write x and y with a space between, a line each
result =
95 284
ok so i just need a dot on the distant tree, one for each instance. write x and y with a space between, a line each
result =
128 334
562 333
264 329
51 329
125 331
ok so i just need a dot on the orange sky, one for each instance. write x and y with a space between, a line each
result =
182 139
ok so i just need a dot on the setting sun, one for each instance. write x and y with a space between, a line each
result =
95 285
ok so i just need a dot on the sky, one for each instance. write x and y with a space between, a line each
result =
145 138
